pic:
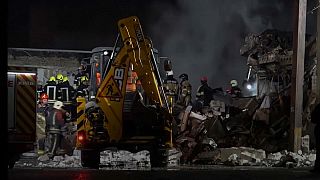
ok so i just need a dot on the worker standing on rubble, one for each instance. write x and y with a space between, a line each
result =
171 89
184 90
204 92
315 118
234 90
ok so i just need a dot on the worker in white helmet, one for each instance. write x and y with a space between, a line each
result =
55 123
234 90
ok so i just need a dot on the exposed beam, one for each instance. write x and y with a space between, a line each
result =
296 111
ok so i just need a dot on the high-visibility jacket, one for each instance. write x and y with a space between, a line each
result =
132 82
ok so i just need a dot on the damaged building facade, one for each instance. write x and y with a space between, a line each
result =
260 119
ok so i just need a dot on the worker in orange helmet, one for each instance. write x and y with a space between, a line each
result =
44 98
44 105
43 101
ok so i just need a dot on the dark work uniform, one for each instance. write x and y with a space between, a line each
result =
82 90
71 92
204 94
171 90
184 92
51 94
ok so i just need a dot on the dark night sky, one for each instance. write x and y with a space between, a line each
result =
201 37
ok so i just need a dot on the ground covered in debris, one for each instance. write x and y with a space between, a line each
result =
236 156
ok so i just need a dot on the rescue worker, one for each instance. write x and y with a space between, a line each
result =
55 123
132 81
234 90
43 108
77 78
67 94
43 102
171 89
184 91
52 81
51 84
315 118
71 91
59 78
82 89
204 93
59 91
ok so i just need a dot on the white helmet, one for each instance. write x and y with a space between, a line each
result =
234 83
169 73
58 105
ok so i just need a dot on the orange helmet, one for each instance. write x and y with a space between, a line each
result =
44 96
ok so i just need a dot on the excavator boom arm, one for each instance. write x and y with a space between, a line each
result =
136 51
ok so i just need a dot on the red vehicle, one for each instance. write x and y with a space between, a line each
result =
22 100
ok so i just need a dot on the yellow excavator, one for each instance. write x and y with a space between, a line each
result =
113 117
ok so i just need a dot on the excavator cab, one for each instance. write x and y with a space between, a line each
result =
115 117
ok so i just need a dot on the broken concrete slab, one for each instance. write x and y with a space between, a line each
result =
254 153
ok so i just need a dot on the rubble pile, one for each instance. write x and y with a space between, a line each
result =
259 118
112 159
290 159
59 161
234 156
244 156
124 159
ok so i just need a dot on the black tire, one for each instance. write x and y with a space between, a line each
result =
90 159
158 158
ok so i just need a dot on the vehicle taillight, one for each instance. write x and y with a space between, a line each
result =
81 136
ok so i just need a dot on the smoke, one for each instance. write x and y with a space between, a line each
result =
203 38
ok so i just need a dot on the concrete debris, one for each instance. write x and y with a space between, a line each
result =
235 156
288 159
124 158
275 156
44 157
244 156
208 157
140 159
245 152
174 156
76 152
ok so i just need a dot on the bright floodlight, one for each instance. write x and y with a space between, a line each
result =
249 86
105 52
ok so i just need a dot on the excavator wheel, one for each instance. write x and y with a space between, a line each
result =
90 158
